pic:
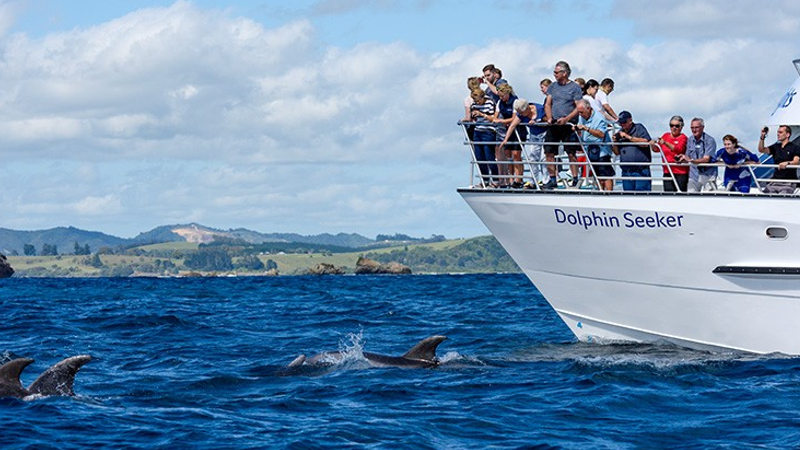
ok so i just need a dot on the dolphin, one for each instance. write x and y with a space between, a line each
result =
422 355
57 380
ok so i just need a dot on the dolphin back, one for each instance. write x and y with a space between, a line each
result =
60 378
10 386
425 349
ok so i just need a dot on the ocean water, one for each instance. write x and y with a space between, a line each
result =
200 363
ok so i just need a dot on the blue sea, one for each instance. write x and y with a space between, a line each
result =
200 363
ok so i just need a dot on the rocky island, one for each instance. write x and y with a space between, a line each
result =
5 268
366 266
325 269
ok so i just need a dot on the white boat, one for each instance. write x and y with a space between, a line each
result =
718 270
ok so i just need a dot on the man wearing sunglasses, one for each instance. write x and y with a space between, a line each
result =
561 112
673 147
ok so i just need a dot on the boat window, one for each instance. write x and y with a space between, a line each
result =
777 233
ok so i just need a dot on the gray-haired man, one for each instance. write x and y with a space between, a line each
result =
700 149
561 111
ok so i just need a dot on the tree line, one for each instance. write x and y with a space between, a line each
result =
52 250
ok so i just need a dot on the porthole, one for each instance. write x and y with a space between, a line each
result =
777 233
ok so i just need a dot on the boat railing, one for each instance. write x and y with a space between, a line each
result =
535 166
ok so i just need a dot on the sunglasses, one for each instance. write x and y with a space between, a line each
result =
675 125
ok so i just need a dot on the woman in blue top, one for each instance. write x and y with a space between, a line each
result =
524 114
737 177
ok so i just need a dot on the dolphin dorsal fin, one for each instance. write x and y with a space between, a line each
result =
59 379
425 349
10 372
297 362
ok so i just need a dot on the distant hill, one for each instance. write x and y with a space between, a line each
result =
200 234
351 240
480 254
12 242
158 235
64 238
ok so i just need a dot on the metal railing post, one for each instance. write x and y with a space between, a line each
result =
588 160
474 164
665 162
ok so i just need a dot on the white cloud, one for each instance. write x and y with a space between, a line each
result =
42 129
714 19
147 64
336 7
185 92
8 14
93 206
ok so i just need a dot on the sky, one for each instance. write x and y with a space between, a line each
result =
333 116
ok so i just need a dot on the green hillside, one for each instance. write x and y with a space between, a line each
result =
477 255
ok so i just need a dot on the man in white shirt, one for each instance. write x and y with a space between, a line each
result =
606 88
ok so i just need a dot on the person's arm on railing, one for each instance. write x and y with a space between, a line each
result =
685 159
630 138
498 119
669 145
795 161
594 132
564 120
477 113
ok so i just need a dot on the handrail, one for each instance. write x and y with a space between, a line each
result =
666 174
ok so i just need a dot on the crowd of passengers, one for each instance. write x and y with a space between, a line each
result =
578 111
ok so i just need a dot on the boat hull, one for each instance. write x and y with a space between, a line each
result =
704 271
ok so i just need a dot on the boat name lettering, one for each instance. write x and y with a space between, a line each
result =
603 219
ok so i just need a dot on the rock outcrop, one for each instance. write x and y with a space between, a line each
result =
366 266
325 269
5 268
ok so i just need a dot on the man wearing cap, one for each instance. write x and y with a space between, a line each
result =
630 134
561 111
524 113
